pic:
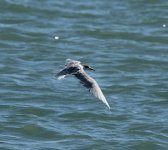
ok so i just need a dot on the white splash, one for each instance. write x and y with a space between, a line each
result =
56 37
164 26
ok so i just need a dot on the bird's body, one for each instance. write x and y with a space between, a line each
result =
77 69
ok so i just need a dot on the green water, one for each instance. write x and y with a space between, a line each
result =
125 41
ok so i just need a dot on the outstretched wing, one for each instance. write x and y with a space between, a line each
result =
60 75
92 85
97 92
66 71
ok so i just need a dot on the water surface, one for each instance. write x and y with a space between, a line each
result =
127 44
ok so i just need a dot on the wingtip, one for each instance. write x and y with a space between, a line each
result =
109 107
60 77
106 103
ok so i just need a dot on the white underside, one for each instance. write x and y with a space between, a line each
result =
61 77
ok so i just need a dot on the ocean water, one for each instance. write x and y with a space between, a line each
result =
125 41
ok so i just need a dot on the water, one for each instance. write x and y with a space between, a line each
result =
127 44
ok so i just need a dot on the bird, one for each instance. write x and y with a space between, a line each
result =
77 69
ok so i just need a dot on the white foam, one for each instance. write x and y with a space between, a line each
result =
164 26
56 37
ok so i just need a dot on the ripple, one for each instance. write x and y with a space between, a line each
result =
124 41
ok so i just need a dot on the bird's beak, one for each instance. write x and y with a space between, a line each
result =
87 67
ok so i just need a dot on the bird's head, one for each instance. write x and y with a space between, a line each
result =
87 67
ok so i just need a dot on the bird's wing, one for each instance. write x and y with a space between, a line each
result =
92 85
60 75
66 71
97 92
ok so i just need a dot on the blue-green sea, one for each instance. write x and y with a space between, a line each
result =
125 41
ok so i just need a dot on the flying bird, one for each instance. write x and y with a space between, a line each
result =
77 69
